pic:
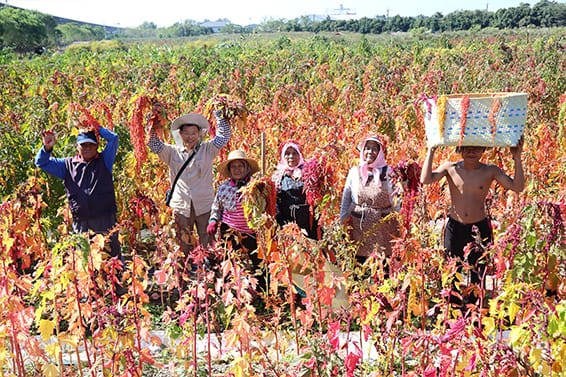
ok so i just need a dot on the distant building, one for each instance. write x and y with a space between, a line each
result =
343 14
216 26
317 17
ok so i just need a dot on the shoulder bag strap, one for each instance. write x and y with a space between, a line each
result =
183 168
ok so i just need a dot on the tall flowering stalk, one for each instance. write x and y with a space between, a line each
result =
231 107
441 113
407 173
156 119
464 106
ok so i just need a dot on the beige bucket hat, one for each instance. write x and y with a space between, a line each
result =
192 119
237 154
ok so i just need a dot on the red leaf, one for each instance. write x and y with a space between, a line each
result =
334 334
160 277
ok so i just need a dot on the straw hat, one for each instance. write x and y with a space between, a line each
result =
237 155
192 119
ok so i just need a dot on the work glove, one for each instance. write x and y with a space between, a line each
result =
211 228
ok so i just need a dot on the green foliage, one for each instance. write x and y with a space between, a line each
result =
75 32
24 30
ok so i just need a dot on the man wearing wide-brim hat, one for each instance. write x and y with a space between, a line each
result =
193 193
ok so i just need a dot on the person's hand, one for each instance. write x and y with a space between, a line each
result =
211 228
148 123
155 119
218 114
48 139
518 149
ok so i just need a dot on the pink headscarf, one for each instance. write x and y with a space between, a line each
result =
379 161
294 172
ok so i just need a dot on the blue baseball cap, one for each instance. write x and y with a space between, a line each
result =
86 137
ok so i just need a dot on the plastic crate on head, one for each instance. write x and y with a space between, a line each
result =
475 119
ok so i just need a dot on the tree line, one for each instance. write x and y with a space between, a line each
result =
23 30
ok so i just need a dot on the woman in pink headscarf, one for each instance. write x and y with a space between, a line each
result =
292 203
368 199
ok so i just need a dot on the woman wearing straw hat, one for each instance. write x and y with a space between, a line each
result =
227 210
192 196
368 200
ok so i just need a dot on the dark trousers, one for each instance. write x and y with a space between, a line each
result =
299 214
101 225
246 244
457 236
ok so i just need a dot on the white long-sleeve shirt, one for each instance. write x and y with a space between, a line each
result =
195 185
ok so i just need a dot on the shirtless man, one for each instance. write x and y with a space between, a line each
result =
469 181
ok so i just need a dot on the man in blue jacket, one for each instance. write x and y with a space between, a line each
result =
88 181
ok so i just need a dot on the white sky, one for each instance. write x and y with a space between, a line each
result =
132 13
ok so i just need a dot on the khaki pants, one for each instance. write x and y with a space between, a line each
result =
185 227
